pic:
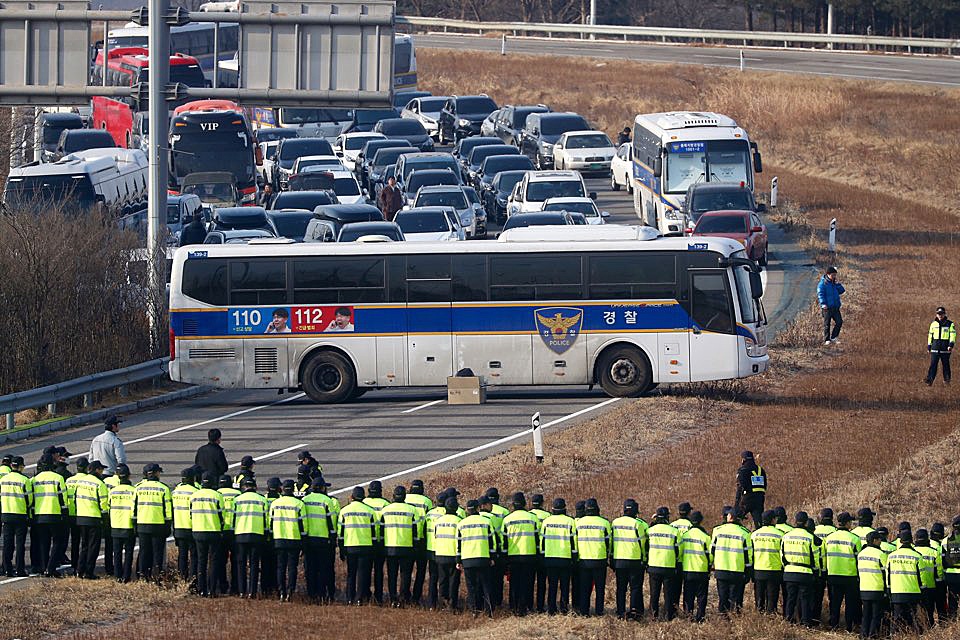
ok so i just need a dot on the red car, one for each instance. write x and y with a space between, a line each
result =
744 226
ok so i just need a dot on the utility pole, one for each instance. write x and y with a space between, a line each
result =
159 46
830 23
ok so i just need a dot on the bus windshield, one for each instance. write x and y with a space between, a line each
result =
690 163
226 151
57 190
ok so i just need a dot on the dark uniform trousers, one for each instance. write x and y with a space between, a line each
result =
359 565
248 562
433 582
942 358
287 553
871 613
153 549
766 590
186 553
558 580
209 556
953 593
662 579
629 574
448 582
478 575
816 598
314 567
798 601
379 560
928 604
123 543
268 566
51 536
541 587
14 543
730 586
840 589
227 565
76 535
593 577
905 613
399 570
420 562
522 570
90 537
107 548
328 571
695 585
498 573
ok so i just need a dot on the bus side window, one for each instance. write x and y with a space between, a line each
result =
428 278
258 282
206 281
470 278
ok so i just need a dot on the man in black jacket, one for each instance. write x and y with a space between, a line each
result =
751 488
193 233
210 457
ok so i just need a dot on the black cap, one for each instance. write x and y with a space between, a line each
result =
451 504
746 455
519 500
630 507
906 537
451 492
904 526
559 504
375 485
189 472
112 420
482 500
17 460
727 510
210 478
82 463
922 534
937 529
399 492
696 517
536 500
6 459
247 461
662 512
810 525
62 451
492 492
96 465
883 531
358 493
225 481
592 506
303 470
941 310
873 536
684 508
303 454
781 512
274 483
123 470
49 451
768 516
416 483
153 467
473 504
956 519
801 518
865 513
442 496
831 269
844 517
826 513
289 485
249 481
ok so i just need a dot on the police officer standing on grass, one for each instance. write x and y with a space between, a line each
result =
732 551
799 555
662 565
937 534
429 520
932 567
93 508
767 563
476 544
376 501
121 499
904 580
320 523
357 532
251 522
16 506
594 540
182 525
752 484
950 552
207 519
83 466
50 510
842 547
421 560
627 559
286 523
695 560
558 545
823 528
328 574
521 532
268 559
829 291
400 522
445 555
941 339
153 512
536 508
871 562
228 558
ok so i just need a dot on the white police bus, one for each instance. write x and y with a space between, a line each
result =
672 151
534 309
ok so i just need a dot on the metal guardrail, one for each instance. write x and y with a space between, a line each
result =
673 33
85 386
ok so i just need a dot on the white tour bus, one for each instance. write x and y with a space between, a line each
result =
338 319
672 151
199 40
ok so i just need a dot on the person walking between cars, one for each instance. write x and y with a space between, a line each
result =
623 136
828 295
390 199
194 232
941 338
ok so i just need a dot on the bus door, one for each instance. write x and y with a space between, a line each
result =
429 320
713 335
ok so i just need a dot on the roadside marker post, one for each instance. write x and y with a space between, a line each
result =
537 437
774 189
503 45
833 235
741 60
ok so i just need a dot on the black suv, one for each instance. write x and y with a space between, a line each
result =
718 196
541 132
512 119
462 115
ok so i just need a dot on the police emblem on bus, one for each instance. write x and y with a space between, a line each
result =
558 326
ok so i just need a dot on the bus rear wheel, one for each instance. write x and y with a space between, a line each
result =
624 372
328 378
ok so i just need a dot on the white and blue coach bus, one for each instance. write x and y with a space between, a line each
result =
672 151
200 40
336 320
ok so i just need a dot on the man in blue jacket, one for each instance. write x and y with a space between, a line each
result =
828 294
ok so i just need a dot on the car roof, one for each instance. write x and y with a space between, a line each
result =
584 132
243 212
558 114
430 209
280 213
336 211
371 225
546 176
320 157
434 188
245 233
726 213
719 186
427 155
74 133
568 200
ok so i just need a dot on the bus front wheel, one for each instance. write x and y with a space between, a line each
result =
624 372
328 378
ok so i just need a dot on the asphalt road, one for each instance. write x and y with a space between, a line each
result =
934 70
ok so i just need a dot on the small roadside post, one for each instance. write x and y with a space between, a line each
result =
774 191
833 235
537 437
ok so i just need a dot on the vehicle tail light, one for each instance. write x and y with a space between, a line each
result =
248 197
172 192
173 344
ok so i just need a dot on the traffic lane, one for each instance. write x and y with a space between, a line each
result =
944 71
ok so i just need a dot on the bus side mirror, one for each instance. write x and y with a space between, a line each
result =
658 166
756 285
757 162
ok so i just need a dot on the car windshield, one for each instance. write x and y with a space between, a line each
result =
34 192
227 151
721 224
402 127
372 116
593 141
540 191
431 105
738 200
494 165
451 198
389 156
690 163
305 116
319 162
472 196
520 116
302 200
475 105
588 209
346 187
83 140
423 222
507 181
355 144
292 149
421 179
350 235
556 125
292 225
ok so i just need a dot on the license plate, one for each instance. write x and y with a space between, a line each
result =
596 165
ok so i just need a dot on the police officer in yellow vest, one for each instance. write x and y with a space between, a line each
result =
904 579
377 502
490 507
752 484
287 525
864 523
871 565
932 567
16 505
246 471
594 541
122 523
207 520
93 509
937 534
732 551
251 523
83 466
767 564
521 533
663 563
153 512
229 557
182 526
421 559
558 545
799 554
476 544
951 566
401 530
321 524
429 520
357 530
629 553
5 464
50 511
695 561
941 339
268 557
842 548
445 554
536 508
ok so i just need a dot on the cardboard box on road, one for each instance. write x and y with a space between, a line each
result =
467 390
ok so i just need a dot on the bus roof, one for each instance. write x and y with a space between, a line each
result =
133 29
687 125
207 105
68 165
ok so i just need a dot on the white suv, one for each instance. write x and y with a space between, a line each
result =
537 186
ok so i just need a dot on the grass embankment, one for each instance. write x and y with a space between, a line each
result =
839 427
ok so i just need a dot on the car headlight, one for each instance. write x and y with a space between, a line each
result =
463 122
502 202
546 146
673 214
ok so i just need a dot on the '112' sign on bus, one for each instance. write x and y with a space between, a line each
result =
280 320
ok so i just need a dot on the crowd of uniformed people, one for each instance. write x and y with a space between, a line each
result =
233 539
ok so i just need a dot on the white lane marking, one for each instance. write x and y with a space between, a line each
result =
872 68
734 58
483 447
423 406
199 424
271 454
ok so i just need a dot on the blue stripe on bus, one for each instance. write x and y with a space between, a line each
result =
645 177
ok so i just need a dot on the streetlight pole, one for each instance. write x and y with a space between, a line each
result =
159 46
